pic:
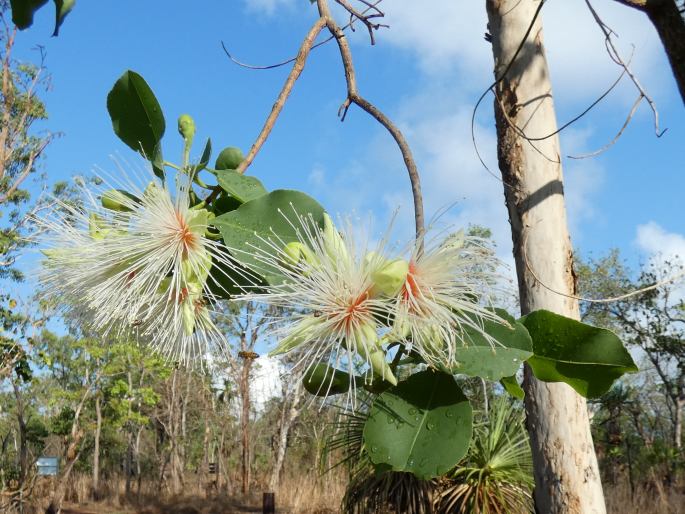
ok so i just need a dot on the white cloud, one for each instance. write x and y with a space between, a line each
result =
448 36
442 33
317 177
579 64
265 382
666 252
268 7
653 239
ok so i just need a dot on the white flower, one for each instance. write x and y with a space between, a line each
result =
444 292
137 257
331 309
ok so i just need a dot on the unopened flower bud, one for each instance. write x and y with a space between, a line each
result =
389 277
333 242
296 252
190 297
368 347
118 200
323 380
186 127
298 335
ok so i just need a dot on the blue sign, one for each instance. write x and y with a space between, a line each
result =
47 466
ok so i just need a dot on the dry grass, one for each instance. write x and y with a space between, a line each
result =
306 494
655 499
298 494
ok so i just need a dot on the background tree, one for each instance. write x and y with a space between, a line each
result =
21 110
653 324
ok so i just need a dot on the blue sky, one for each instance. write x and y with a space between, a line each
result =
425 72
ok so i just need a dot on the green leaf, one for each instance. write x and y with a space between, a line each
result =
62 8
479 359
422 426
512 387
204 159
136 115
225 204
587 358
23 11
239 186
227 280
270 217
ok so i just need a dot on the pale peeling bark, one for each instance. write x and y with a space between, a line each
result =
95 490
288 415
566 473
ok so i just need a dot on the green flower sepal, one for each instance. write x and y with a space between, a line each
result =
368 346
389 277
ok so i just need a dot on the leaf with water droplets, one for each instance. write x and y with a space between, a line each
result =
587 358
241 187
435 438
478 358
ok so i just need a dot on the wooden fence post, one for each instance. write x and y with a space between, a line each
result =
269 503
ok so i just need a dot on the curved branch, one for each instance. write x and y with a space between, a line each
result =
353 97
285 93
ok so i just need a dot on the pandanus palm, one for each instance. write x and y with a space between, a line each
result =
495 476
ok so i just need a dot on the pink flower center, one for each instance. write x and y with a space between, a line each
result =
411 288
185 235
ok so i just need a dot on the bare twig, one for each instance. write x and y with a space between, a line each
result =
364 18
371 5
523 135
616 57
353 97
613 54
618 135
285 93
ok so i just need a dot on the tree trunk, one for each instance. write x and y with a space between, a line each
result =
96 449
566 473
23 444
670 25
204 472
174 433
136 457
71 455
678 428
220 456
288 415
245 415
128 463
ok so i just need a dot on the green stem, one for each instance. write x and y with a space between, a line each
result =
201 182
216 191
186 152
172 165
